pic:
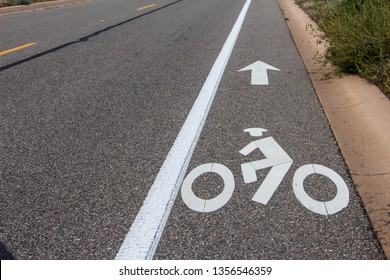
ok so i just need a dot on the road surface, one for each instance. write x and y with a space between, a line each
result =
95 145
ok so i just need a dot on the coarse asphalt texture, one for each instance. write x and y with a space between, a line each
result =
89 114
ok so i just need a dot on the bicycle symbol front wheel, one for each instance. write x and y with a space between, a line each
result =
338 203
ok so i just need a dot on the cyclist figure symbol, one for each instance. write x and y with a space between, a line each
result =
280 162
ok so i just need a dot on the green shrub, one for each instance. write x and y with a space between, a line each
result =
359 35
24 2
7 3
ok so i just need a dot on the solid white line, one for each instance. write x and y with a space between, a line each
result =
145 232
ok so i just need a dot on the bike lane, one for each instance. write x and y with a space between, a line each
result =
297 134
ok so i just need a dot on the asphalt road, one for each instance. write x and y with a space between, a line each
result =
89 113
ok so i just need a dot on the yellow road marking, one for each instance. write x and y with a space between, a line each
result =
143 8
17 48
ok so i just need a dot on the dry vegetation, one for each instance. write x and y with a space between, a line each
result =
359 35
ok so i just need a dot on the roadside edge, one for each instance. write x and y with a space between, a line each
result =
359 115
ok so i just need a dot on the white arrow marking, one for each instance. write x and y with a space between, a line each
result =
259 72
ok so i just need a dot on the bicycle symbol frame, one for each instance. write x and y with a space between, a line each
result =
280 162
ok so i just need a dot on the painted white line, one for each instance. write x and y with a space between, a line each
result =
145 232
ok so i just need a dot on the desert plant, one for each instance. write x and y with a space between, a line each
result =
359 36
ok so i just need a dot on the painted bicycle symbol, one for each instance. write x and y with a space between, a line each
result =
280 162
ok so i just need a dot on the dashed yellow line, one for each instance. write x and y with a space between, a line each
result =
143 8
17 48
